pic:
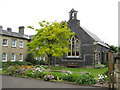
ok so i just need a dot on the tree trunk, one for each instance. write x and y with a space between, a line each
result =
49 60
54 61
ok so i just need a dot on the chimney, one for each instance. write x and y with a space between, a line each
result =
1 27
9 29
21 30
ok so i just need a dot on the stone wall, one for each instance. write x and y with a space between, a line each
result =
17 50
0 47
117 70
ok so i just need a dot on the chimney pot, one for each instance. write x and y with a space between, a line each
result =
1 26
21 30
9 29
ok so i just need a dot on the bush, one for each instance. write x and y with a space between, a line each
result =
57 75
7 64
65 76
30 58
12 70
48 77
99 66
29 72
85 79
73 77
38 75
105 63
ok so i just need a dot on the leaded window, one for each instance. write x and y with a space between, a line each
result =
74 47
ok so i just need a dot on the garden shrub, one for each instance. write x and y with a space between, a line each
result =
48 77
7 64
99 66
11 70
29 72
105 63
30 58
65 76
57 75
73 77
85 79
69 76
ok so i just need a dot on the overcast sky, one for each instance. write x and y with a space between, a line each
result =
98 16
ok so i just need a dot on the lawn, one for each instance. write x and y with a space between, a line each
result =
94 72
0 71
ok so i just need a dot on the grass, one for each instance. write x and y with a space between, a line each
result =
0 71
94 72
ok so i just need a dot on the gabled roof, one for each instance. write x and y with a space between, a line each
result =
97 40
13 34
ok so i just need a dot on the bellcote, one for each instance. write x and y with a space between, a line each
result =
73 14
73 21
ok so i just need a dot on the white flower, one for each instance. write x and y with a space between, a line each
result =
105 76
69 72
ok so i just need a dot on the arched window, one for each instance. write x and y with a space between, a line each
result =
21 57
74 47
4 57
13 57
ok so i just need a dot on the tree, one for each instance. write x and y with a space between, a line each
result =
114 48
51 40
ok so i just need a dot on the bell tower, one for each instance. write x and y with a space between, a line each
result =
73 14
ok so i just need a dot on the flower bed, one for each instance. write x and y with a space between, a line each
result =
51 75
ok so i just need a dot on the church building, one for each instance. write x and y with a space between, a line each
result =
87 49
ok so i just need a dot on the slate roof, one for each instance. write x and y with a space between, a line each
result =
97 40
13 34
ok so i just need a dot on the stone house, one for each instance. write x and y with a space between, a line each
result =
13 45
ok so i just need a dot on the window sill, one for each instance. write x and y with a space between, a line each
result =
4 60
13 46
21 47
73 56
12 60
20 60
5 45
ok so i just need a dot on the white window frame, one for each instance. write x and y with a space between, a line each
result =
6 41
13 57
14 42
20 57
40 58
21 44
4 57
75 47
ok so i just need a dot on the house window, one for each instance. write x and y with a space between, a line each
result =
20 57
4 57
40 58
21 44
5 42
14 43
13 57
74 47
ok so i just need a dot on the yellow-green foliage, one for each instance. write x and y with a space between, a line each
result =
51 39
